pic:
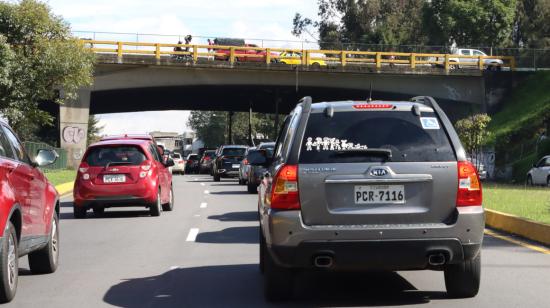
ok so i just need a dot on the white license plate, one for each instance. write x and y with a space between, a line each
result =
236 166
379 194
114 178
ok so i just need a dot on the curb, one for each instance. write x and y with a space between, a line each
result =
526 228
65 188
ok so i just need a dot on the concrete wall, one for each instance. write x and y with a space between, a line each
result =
73 120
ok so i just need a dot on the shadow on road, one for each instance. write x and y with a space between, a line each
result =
242 286
236 216
109 214
230 192
235 235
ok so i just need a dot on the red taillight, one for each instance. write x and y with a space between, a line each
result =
372 106
207 158
245 161
284 190
83 171
146 165
469 187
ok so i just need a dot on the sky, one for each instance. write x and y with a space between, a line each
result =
249 19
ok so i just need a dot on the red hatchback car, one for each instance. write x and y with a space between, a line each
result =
29 213
128 171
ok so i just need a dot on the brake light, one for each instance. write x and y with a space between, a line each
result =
245 161
83 167
469 187
145 166
373 106
207 158
284 191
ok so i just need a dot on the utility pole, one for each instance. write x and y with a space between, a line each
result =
250 139
230 128
276 124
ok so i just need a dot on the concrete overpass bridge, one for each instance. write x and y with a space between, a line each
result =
229 78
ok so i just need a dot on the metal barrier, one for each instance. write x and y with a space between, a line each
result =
304 57
33 147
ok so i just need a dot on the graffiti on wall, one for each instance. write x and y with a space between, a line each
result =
73 134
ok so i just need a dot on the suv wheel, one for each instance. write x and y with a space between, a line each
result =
155 207
462 279
170 205
79 211
9 264
45 260
252 189
278 281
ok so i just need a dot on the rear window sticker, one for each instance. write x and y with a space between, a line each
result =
331 144
429 123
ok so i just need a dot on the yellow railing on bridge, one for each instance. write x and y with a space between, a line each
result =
306 57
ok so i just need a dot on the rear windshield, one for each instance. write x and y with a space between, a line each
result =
115 155
193 157
233 151
177 156
210 154
350 137
255 154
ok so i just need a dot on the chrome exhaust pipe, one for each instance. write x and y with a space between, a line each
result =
436 259
323 261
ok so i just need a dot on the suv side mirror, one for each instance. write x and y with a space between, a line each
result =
45 157
169 162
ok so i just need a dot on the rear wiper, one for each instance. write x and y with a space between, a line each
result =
117 163
369 151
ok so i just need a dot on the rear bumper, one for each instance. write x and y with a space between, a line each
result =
374 255
386 247
118 201
139 194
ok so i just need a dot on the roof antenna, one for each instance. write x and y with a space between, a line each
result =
370 93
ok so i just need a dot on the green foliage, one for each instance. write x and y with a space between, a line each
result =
210 126
473 132
521 167
543 149
473 22
531 26
40 58
94 129
527 202
60 176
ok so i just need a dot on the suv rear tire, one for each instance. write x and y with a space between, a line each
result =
45 260
278 281
462 279
79 211
8 286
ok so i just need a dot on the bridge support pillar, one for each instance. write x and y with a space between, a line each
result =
73 125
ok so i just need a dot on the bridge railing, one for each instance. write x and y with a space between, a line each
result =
304 57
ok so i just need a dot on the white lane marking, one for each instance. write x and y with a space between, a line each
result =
206 192
203 205
192 236
197 215
202 184
195 179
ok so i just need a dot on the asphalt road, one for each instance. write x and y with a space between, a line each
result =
128 259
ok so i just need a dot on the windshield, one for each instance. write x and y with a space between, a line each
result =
233 151
410 138
126 155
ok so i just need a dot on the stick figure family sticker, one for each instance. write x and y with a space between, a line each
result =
331 144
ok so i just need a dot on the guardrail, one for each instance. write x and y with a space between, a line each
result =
33 147
304 57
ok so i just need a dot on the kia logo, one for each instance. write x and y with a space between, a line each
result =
378 172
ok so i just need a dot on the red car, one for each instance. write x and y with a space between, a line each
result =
240 54
29 213
128 171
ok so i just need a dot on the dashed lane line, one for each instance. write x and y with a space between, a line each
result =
203 205
192 236
206 192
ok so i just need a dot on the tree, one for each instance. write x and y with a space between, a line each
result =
94 129
470 22
531 27
473 133
40 58
210 127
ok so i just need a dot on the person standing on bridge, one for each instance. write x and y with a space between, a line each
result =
178 49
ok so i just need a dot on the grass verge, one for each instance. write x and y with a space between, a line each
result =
60 176
531 203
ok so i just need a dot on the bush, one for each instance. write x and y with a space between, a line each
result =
521 167
543 148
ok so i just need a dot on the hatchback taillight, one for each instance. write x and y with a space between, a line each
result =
284 190
469 187
83 170
245 161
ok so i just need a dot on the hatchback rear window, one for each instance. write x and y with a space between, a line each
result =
350 137
233 151
115 155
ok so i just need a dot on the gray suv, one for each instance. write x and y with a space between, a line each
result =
369 186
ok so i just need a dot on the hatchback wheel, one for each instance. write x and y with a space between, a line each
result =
45 260
156 206
79 211
9 264
462 279
170 205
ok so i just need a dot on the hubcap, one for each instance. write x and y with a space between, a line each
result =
54 239
12 263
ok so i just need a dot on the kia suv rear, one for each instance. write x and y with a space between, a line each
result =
370 186
123 172
228 160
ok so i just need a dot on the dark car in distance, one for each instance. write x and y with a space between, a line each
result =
205 164
227 161
254 173
192 163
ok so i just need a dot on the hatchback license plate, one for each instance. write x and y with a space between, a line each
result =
379 194
114 178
